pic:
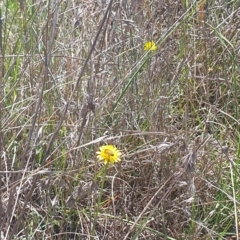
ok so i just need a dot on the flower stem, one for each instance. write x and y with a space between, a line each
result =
96 211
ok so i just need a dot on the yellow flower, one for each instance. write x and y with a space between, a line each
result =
150 46
108 154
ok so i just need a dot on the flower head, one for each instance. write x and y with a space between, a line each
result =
108 154
150 45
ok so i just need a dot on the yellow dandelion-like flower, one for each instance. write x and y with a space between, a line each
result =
109 154
150 46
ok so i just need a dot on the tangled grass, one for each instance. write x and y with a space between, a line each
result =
75 76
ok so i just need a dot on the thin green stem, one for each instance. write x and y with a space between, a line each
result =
99 200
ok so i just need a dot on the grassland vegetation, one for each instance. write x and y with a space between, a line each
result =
152 83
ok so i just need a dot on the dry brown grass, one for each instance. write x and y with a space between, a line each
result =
73 79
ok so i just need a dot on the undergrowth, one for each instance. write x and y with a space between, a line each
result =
75 76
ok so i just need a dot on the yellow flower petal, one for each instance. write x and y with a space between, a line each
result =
150 45
108 154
